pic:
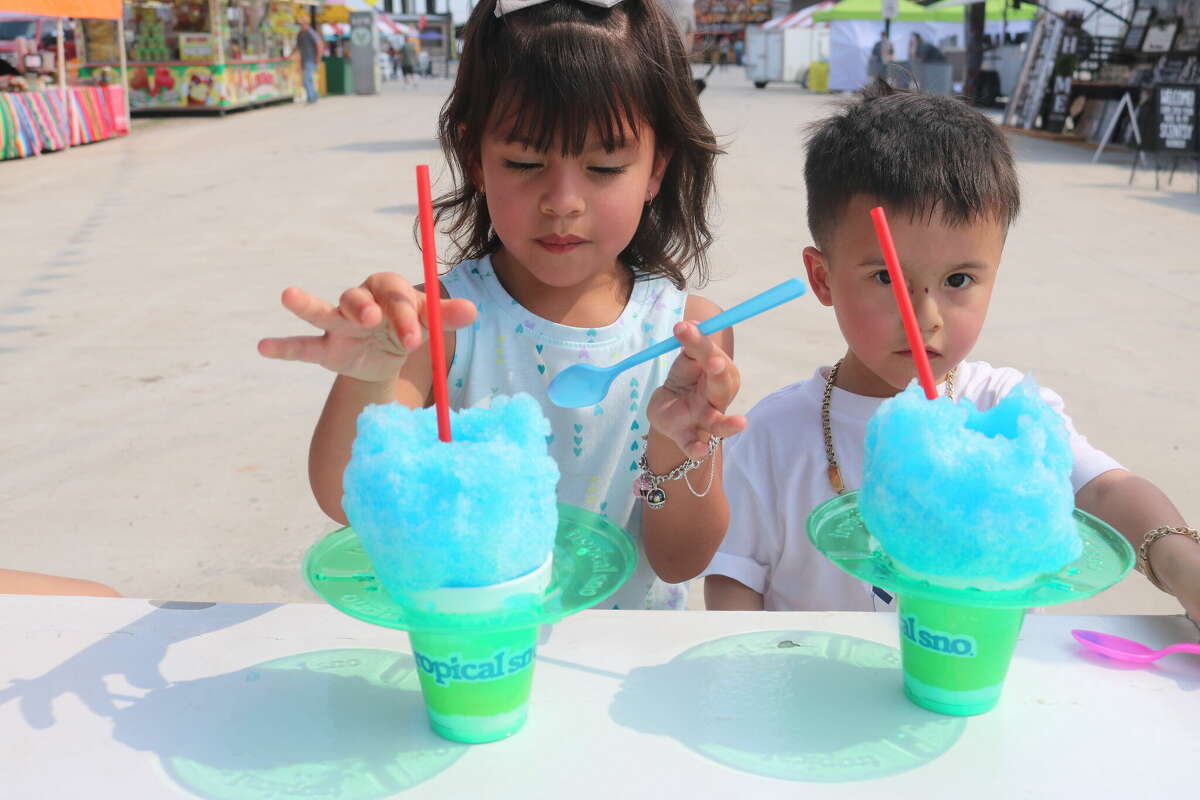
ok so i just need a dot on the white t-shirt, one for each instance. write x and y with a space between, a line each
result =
776 473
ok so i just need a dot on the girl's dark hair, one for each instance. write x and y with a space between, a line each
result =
559 71
920 152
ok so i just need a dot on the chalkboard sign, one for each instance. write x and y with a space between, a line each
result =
1175 118
1060 98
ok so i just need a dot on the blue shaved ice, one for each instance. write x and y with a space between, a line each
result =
974 498
476 511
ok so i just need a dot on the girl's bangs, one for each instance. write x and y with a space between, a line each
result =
563 89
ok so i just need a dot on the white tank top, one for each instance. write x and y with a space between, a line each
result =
509 349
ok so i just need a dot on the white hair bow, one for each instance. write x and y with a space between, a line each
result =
508 6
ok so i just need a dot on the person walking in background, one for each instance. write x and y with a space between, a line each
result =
683 13
311 48
882 54
394 56
408 64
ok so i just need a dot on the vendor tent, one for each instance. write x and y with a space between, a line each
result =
33 122
78 9
855 26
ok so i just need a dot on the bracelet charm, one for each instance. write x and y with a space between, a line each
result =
648 485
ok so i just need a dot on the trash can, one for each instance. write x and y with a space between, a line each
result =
337 75
818 76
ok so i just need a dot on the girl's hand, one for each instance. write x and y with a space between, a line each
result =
371 331
690 406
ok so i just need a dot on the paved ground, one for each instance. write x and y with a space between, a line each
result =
148 446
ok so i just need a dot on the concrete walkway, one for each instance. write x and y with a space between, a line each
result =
148 446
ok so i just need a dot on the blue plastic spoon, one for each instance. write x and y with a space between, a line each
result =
582 385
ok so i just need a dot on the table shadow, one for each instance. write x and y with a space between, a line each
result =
336 724
133 652
795 705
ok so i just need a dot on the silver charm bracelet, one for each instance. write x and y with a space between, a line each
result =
648 485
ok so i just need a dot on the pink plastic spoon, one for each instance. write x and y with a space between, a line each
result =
1127 650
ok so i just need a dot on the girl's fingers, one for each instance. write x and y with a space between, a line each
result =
696 345
402 310
728 425
359 307
456 313
294 348
400 304
311 309
718 425
723 380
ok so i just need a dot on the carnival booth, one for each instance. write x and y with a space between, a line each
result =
40 111
209 55
855 27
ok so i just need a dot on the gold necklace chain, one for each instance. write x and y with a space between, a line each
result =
835 474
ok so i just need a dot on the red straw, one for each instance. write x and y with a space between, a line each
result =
911 329
433 303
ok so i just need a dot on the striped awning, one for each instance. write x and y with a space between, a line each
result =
797 19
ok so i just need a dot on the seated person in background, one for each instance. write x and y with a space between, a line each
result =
14 581
922 52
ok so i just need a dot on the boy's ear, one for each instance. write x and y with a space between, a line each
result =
817 267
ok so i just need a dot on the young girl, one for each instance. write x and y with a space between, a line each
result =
583 169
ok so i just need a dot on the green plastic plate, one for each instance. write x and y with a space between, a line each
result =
592 558
837 530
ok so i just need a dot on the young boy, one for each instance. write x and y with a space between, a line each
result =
944 174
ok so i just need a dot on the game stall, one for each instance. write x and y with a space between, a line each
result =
209 56
721 28
41 110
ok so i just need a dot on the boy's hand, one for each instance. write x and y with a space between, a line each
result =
690 406
371 331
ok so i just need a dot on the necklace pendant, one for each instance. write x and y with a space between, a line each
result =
656 498
835 479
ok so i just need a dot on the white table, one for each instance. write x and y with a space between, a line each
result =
126 699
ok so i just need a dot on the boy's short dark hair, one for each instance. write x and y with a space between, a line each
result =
916 151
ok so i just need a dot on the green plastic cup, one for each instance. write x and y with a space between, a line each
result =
957 643
475 646
476 680
955 657
475 685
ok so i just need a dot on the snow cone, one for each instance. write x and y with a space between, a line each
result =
970 500
460 528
